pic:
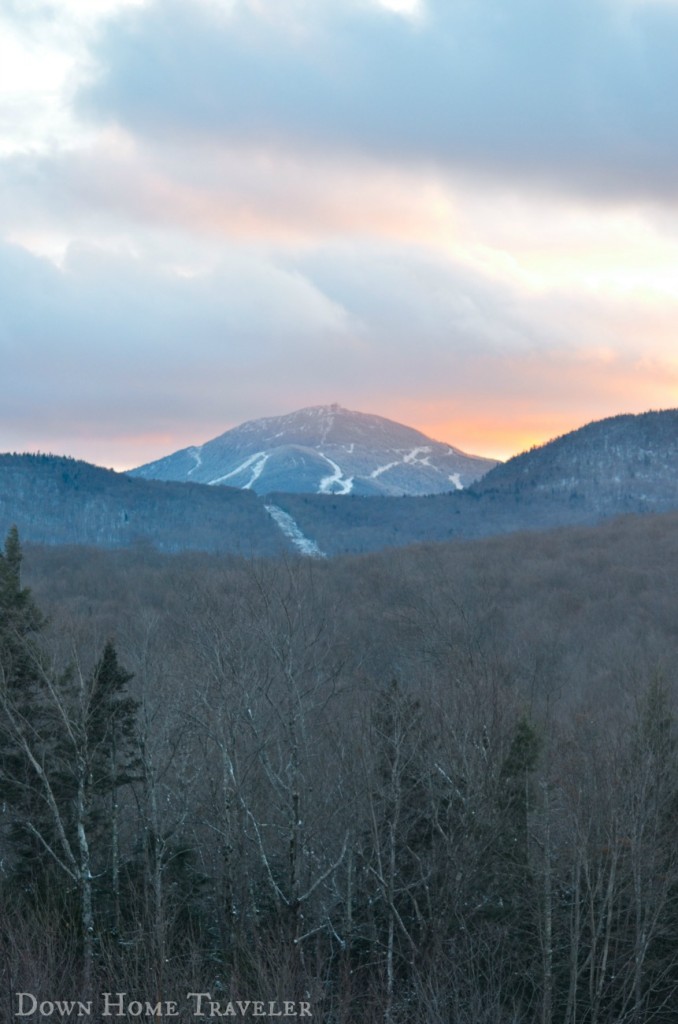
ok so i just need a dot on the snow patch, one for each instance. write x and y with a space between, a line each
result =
337 477
289 527
195 452
257 460
327 426
256 471
412 457
456 480
382 469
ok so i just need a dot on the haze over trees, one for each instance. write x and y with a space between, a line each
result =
436 784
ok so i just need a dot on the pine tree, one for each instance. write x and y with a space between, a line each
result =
96 752
21 712
110 722
516 790
512 894
113 758
20 620
67 745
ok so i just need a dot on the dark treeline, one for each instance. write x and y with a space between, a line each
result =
438 784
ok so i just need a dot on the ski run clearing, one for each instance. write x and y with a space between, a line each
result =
255 463
328 482
412 458
287 525
195 453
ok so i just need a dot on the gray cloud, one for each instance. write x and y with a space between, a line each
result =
576 96
110 347
228 265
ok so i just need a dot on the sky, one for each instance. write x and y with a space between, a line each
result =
459 214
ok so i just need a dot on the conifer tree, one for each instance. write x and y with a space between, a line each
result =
113 756
513 895
21 710
20 619
68 743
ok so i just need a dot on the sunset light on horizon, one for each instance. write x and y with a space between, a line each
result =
463 217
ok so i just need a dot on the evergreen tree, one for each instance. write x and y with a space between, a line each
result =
110 723
20 620
112 761
515 796
94 729
512 895
68 743
22 712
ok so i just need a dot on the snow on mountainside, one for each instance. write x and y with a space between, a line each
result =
323 450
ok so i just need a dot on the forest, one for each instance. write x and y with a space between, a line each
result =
434 784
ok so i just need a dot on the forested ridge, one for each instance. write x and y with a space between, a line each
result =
622 465
435 784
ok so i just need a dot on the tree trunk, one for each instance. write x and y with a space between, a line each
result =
85 883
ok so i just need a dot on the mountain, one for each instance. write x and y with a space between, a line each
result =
625 464
58 500
612 467
323 450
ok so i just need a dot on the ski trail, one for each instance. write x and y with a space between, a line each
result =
412 457
256 472
337 477
382 469
243 465
195 452
288 526
408 459
327 426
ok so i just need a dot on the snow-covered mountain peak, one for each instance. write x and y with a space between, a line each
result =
323 449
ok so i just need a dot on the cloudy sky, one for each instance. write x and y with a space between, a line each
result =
461 214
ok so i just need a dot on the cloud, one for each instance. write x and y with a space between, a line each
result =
44 58
573 96
122 193
455 213
215 191
119 359
111 346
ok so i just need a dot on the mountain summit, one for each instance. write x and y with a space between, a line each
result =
323 449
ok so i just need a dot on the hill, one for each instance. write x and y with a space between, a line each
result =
323 450
616 466
622 465
58 500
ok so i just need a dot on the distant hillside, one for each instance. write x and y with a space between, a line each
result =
323 450
621 464
626 464
56 500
